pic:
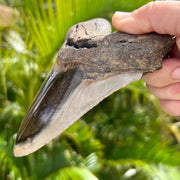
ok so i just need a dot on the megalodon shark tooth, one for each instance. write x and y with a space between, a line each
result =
91 64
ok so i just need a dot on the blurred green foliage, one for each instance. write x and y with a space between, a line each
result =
126 136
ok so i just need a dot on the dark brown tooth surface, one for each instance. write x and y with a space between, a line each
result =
52 94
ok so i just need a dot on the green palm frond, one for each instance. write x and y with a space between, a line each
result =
49 21
163 172
83 138
123 133
8 170
152 152
75 173
138 170
92 162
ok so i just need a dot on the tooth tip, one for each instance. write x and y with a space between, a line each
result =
23 149
29 146
18 151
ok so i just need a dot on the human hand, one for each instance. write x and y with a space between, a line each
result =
163 18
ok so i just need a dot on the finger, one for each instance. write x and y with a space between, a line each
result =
171 92
170 73
161 17
171 107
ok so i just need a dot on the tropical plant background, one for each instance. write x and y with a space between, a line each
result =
126 136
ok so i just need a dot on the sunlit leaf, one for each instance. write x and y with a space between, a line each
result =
75 173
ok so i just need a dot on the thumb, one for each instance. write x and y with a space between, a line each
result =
160 17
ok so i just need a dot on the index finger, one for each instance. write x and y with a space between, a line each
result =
160 17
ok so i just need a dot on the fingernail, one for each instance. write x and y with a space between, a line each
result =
176 73
121 15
